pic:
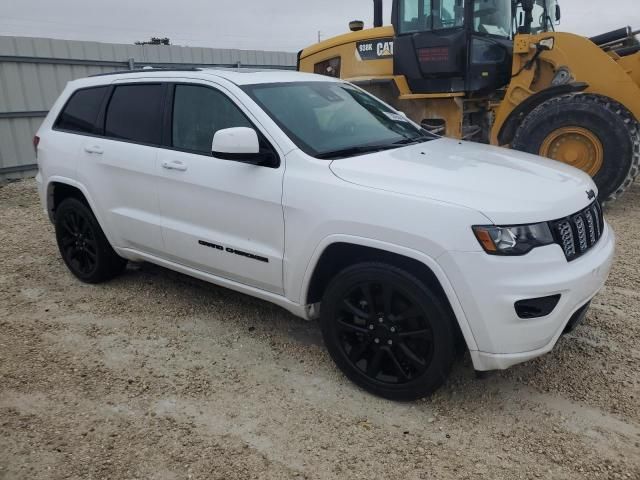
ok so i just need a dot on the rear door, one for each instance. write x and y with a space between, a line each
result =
119 166
220 216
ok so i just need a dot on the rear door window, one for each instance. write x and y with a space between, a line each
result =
81 111
135 113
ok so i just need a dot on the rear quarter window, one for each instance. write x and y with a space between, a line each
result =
81 111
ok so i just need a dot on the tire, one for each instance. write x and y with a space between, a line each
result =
83 245
415 345
611 123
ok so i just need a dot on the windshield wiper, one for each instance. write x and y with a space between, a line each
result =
352 151
411 140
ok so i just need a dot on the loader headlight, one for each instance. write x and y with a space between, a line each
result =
513 240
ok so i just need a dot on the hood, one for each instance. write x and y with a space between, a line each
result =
508 186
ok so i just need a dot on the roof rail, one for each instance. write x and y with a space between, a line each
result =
149 69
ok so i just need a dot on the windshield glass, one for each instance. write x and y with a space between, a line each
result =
333 120
428 15
492 17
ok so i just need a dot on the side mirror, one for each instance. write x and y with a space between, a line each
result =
238 143
558 13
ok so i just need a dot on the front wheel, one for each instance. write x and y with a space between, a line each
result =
387 331
590 132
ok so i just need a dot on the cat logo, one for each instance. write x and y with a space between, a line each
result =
385 49
374 49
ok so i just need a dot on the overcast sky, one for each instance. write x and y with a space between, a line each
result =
249 24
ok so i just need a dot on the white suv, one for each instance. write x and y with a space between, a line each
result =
307 192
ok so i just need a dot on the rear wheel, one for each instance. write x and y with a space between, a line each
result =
589 132
83 245
388 331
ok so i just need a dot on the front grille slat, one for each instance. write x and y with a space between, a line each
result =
578 233
591 227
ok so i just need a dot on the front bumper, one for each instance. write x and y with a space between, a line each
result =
488 286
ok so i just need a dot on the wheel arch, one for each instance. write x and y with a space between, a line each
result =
67 187
337 253
59 188
57 191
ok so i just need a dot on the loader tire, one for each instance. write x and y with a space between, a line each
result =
590 132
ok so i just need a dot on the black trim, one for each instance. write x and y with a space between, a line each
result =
536 307
167 119
515 118
102 114
577 318
260 159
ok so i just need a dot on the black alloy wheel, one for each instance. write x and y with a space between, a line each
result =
83 245
387 331
78 243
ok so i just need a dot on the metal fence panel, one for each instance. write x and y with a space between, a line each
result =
33 72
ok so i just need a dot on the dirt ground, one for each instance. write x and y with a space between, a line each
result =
159 376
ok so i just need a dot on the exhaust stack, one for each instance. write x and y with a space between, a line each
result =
377 13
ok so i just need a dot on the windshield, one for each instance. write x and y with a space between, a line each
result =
493 17
334 119
428 15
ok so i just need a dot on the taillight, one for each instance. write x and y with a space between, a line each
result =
36 142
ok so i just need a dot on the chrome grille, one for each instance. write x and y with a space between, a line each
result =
577 233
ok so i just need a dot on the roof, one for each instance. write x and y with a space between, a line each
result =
236 76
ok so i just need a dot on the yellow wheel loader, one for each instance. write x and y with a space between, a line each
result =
495 71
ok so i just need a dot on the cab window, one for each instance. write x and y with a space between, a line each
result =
429 15
493 17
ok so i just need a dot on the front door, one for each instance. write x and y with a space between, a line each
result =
219 216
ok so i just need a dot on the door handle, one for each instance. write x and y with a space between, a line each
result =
174 165
94 149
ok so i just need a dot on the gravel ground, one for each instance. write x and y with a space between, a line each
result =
157 375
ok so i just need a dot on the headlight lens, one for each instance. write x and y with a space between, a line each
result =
515 240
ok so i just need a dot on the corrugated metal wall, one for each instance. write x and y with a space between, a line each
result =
33 71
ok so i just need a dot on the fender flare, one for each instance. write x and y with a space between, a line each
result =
427 260
508 129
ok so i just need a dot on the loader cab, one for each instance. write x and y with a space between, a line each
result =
460 46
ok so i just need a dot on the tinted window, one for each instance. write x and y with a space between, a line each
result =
81 111
199 112
135 113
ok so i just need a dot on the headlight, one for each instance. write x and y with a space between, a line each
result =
515 240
